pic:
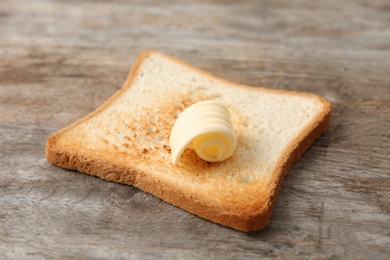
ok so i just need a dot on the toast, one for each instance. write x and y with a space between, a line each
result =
126 140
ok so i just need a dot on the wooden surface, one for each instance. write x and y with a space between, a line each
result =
59 60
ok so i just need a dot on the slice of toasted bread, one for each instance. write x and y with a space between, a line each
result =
126 140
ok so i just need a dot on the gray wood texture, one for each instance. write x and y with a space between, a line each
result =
59 60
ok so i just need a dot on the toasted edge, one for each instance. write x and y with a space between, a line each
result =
253 218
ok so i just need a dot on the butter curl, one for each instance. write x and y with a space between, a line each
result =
207 125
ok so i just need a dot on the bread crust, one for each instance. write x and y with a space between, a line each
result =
251 218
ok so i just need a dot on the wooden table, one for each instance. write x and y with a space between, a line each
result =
59 60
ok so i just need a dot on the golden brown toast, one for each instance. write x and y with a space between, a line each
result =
126 140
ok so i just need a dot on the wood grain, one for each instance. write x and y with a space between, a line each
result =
61 59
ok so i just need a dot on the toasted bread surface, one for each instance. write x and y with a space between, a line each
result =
126 140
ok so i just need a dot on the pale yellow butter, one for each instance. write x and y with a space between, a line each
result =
207 124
